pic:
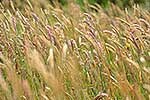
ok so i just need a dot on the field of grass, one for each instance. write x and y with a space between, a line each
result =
65 53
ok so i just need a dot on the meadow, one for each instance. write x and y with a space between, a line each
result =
68 53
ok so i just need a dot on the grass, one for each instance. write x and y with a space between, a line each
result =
67 54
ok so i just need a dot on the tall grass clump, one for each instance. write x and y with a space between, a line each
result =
63 53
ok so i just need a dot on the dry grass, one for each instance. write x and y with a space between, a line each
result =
66 54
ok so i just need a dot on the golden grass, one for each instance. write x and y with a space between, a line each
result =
68 54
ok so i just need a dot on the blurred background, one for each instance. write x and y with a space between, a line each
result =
104 3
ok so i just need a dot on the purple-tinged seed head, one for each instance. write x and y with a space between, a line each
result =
13 22
49 30
35 17
50 34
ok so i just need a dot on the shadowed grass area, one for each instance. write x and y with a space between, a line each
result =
63 53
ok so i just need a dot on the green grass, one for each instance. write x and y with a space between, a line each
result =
71 54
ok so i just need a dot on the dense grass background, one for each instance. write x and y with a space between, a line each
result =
120 3
104 3
74 51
